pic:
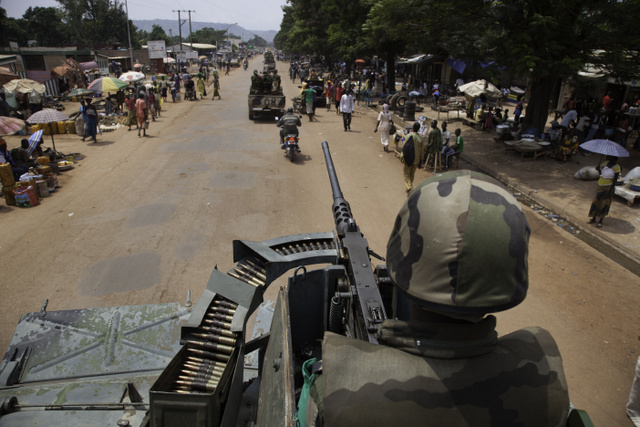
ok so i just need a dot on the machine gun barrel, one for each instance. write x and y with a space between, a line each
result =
341 209
366 311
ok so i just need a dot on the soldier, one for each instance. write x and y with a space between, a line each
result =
276 81
458 251
256 81
289 124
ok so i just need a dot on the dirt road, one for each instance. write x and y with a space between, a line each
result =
143 220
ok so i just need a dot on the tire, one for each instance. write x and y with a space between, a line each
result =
387 100
292 155
250 115
401 100
393 104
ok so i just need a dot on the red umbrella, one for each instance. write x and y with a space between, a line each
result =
360 61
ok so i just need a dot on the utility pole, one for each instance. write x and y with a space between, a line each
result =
126 4
180 27
190 40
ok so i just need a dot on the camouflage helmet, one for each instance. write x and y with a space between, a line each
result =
460 245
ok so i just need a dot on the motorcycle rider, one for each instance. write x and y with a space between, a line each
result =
289 124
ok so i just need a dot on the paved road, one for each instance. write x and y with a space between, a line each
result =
144 220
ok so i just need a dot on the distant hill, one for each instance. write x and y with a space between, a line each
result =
170 26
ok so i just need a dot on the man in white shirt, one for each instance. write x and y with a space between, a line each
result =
346 108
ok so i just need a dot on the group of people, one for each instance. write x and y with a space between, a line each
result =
438 144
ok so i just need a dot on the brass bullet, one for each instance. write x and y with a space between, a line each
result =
223 317
217 331
209 355
204 369
223 303
216 338
218 323
197 385
227 349
237 276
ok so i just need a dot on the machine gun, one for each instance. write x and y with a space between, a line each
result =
365 309
170 364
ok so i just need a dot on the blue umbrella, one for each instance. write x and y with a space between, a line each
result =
34 139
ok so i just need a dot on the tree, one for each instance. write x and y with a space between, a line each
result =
209 35
44 25
157 33
12 29
97 22
257 41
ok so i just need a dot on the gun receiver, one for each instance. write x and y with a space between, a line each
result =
365 310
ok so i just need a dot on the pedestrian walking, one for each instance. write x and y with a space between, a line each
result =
200 85
215 82
309 94
609 172
339 91
410 165
141 114
131 108
384 124
347 105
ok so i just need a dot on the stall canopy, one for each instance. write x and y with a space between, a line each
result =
84 66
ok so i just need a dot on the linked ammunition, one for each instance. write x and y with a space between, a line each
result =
209 355
203 369
205 362
237 276
218 323
201 376
217 331
257 266
222 303
227 349
197 385
254 269
244 274
221 310
223 317
216 338
198 380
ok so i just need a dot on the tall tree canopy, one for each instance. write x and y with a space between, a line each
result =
543 40
92 23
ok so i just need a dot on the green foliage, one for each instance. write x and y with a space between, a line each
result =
44 25
209 35
12 29
157 33
257 41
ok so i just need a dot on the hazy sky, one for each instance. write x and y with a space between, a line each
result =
249 14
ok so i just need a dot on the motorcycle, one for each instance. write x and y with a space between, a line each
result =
291 146
245 65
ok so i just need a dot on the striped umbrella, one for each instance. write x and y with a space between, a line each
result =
10 125
34 139
605 147
48 115
107 84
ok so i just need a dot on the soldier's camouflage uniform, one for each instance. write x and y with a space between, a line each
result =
473 261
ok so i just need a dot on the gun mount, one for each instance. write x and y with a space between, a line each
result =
171 364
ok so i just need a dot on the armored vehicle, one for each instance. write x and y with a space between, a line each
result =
199 365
